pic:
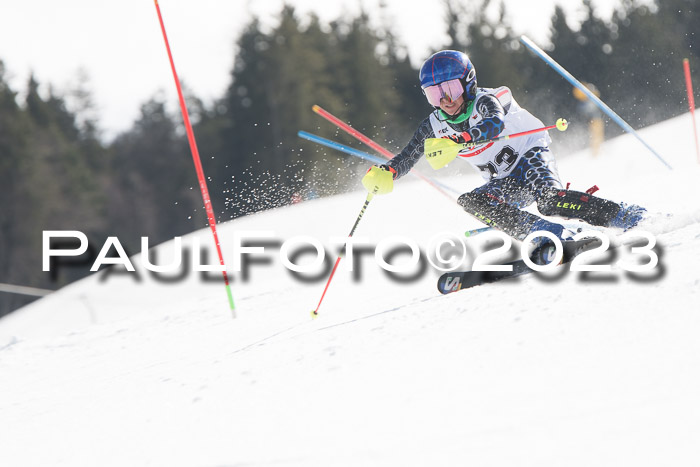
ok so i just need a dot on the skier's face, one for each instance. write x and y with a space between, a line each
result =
451 107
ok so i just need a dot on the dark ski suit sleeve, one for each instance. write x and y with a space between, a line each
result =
493 118
404 161
491 125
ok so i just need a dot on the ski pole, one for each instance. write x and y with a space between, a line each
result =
441 151
561 125
370 195
366 140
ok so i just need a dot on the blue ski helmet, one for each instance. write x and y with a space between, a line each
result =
447 65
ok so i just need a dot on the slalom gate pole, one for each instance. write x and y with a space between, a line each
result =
361 154
576 83
384 152
24 290
197 164
314 313
351 131
340 147
691 103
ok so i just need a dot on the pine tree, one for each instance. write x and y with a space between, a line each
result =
154 191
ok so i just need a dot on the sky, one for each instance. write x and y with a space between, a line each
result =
119 48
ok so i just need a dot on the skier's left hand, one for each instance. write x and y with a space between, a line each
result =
379 179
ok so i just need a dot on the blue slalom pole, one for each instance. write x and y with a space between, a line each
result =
616 118
471 233
340 147
363 155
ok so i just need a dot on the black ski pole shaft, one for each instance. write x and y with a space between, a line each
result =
314 313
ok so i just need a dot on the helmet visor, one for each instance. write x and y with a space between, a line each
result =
450 90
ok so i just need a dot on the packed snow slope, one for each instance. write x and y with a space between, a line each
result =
575 370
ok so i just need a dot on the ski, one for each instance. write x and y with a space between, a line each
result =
459 280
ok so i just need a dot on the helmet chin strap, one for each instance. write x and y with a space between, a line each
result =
461 116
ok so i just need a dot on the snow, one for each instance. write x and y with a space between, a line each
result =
573 370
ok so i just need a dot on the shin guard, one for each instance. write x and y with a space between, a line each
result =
578 205
509 219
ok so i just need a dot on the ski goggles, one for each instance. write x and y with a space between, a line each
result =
450 90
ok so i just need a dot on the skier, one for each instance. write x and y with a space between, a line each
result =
518 172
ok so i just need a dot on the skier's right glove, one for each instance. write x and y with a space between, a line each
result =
379 179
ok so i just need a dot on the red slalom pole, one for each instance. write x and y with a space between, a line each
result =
351 131
691 103
364 139
197 163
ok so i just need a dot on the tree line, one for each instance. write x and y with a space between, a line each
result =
58 174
